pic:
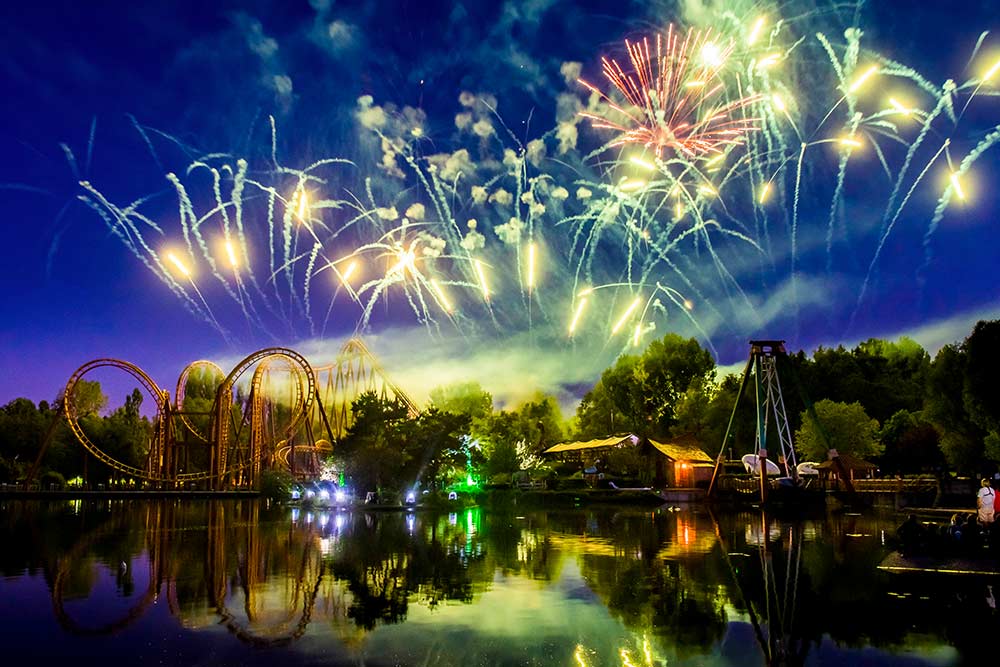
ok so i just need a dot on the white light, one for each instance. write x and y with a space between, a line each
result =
711 54
482 279
860 81
577 314
755 31
957 185
629 186
644 164
625 315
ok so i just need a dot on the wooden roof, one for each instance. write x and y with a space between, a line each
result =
683 448
613 441
850 462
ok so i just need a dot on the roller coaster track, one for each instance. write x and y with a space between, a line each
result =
355 372
318 396
223 412
160 399
179 395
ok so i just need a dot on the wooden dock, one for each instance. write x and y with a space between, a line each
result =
119 494
952 565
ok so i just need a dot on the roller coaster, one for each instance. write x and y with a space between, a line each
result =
269 422
229 552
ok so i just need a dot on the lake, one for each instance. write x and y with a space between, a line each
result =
181 582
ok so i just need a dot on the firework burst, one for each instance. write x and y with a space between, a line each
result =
674 98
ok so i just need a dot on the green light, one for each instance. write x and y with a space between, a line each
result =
469 481
341 485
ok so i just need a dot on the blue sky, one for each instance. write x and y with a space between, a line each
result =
156 83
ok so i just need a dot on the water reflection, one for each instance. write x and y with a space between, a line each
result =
581 587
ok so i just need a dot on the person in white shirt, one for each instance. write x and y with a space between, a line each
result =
984 502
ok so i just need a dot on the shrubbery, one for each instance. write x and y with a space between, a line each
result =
276 484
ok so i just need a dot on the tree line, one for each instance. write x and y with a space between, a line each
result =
123 432
888 401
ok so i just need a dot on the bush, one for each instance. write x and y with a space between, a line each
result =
276 484
52 477
501 479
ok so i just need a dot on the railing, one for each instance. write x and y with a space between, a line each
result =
745 485
907 485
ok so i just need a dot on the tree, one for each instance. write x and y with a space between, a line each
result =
911 444
126 434
742 437
541 422
499 434
897 377
640 394
88 399
527 458
511 438
848 426
22 427
465 398
373 453
386 449
981 393
199 399
670 365
438 440
945 408
597 416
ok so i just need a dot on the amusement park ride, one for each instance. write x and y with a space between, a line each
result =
767 358
270 423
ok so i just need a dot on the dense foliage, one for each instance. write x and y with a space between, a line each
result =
887 401
123 433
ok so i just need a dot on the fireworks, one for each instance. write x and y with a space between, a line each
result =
701 202
672 98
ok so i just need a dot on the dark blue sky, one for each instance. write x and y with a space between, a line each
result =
211 73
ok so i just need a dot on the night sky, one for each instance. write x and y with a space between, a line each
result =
204 77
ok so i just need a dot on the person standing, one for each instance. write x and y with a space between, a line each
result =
984 502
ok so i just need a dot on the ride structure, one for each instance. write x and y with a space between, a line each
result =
768 361
355 372
231 429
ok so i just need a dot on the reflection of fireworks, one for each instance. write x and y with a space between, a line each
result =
716 150
674 97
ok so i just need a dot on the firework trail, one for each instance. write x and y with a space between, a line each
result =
688 189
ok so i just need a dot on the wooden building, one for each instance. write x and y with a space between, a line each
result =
856 468
677 462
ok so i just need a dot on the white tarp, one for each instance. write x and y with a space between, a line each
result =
807 469
752 463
